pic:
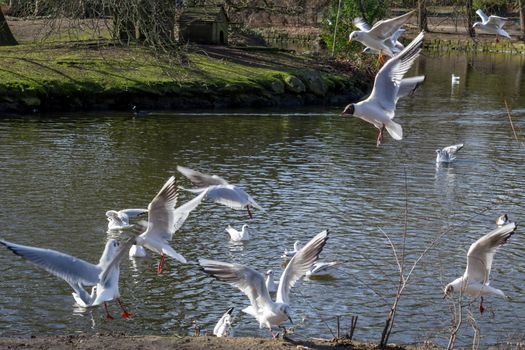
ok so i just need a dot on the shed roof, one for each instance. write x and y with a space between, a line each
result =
204 14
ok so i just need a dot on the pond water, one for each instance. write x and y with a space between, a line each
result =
311 170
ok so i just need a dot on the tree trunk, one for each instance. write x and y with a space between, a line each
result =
422 15
6 37
522 19
470 18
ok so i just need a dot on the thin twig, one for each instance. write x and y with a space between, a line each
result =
511 123
393 249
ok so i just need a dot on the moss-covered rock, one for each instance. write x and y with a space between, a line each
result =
294 84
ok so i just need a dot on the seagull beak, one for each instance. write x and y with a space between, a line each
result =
349 40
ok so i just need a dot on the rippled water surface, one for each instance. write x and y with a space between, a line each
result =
311 170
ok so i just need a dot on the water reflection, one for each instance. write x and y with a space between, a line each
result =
310 170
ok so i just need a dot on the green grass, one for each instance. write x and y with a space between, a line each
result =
62 69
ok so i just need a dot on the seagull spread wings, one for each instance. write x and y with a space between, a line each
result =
386 28
451 150
249 281
361 24
481 253
161 218
496 21
299 265
389 77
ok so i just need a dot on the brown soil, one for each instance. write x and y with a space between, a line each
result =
96 342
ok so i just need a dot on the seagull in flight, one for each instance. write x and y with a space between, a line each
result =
164 220
475 281
118 220
389 85
78 273
380 37
266 311
491 25
219 190
447 154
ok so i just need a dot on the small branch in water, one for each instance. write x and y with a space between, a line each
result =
511 123
353 325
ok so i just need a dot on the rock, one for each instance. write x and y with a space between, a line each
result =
314 81
294 84
277 86
31 101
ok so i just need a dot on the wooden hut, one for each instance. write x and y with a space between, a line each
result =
204 25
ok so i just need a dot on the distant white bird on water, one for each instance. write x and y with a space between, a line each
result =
447 154
321 268
219 190
491 25
237 236
379 37
475 281
223 326
389 85
79 273
271 285
290 253
267 312
454 79
502 220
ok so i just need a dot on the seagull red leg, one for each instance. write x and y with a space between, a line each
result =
249 212
161 263
380 136
108 316
481 308
125 313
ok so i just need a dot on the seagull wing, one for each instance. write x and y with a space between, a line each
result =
73 270
389 77
409 85
249 281
299 265
451 150
161 217
496 21
481 253
361 24
386 28
121 252
482 15
181 213
231 196
133 212
200 179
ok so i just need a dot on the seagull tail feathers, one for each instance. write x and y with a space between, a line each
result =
395 130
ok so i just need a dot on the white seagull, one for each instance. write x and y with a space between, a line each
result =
321 267
454 79
475 281
379 37
219 190
271 285
267 312
447 154
79 273
389 85
164 220
118 220
392 42
223 326
237 236
289 253
491 25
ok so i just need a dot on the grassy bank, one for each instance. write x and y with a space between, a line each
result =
87 76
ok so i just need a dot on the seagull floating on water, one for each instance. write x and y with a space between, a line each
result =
267 312
164 220
475 281
271 285
219 190
379 37
290 253
223 326
502 220
79 273
389 85
321 267
236 236
447 154
491 25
